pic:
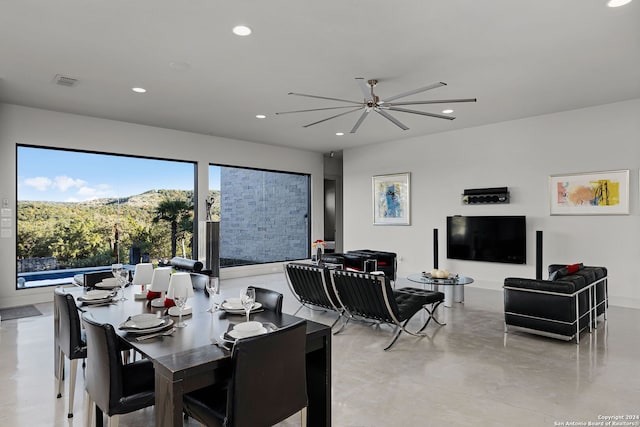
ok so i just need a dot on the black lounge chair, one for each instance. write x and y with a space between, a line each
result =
370 296
311 286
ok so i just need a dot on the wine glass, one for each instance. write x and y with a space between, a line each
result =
123 279
180 300
212 289
115 270
247 298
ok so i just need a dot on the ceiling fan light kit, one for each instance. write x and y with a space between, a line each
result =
372 102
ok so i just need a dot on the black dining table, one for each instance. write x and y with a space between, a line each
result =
190 358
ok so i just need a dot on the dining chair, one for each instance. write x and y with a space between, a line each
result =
270 299
267 384
91 279
115 388
71 342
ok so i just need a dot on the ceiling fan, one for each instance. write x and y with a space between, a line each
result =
372 102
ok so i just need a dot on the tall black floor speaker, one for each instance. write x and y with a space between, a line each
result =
539 255
435 248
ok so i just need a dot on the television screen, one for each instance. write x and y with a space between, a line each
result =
487 238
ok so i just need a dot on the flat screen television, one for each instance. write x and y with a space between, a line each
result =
487 238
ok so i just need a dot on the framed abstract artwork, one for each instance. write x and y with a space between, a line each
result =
391 199
592 193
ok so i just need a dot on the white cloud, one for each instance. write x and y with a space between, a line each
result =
88 193
40 183
63 183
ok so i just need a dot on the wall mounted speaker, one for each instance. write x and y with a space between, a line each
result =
539 255
476 196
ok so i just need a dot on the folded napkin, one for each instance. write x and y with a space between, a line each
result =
168 302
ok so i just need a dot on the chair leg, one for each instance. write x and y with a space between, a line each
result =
299 308
342 327
394 339
73 370
303 417
431 316
88 410
60 374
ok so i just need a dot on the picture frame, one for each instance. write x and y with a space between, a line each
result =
590 193
391 199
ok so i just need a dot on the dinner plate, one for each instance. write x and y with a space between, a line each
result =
95 295
142 321
232 310
102 285
97 301
165 324
235 334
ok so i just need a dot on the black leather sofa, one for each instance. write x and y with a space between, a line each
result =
562 306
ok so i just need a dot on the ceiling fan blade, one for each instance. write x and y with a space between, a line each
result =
366 90
422 113
332 117
413 92
433 101
360 120
324 97
391 119
314 109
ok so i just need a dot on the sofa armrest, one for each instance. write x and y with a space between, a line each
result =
557 286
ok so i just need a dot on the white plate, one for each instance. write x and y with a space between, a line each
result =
233 304
142 321
238 334
247 326
165 324
95 295
229 309
101 285
96 301
175 311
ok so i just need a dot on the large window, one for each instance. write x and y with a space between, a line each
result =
78 211
264 215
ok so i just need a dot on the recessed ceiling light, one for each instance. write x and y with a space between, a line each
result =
138 89
617 3
260 116
241 30
339 133
449 111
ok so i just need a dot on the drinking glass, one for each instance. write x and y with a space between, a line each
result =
123 279
212 289
247 298
180 301
115 270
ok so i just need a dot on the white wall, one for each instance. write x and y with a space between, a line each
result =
521 155
22 125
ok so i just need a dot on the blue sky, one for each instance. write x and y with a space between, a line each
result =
69 176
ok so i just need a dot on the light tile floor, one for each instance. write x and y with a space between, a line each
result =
467 373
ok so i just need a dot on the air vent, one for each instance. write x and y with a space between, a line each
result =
65 80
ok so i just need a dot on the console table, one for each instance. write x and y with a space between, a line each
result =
453 287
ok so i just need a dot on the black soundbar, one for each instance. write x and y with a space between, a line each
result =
482 191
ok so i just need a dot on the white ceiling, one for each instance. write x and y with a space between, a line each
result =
518 58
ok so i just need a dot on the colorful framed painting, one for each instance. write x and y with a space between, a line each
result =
391 199
593 193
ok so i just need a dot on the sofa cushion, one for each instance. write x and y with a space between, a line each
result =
556 272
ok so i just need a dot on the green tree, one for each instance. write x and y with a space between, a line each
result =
176 213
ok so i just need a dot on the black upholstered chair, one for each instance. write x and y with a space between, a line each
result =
370 296
270 299
112 386
71 342
311 285
273 361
